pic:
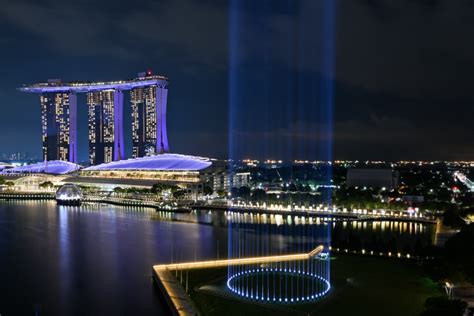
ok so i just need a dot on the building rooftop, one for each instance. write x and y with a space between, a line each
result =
4 165
163 162
48 167
114 182
85 86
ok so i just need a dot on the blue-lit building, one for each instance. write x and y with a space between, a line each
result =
190 173
105 110
58 125
55 167
149 135
167 168
105 126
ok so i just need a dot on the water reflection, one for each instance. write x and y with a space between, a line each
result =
96 259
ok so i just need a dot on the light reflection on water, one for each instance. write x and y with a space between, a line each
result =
96 259
221 218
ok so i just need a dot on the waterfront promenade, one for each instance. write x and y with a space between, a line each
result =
177 298
187 206
354 215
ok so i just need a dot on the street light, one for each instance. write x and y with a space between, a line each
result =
449 289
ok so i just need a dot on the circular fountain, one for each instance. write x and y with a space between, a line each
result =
279 262
278 285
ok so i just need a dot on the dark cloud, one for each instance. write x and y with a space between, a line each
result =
403 72
70 28
410 55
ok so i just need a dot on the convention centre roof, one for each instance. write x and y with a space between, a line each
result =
163 162
49 167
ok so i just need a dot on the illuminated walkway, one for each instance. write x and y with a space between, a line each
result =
177 298
348 216
241 261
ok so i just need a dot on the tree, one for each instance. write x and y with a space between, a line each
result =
442 306
234 192
451 217
118 190
292 187
221 193
207 190
179 194
46 185
160 187
2 180
259 195
460 254
244 192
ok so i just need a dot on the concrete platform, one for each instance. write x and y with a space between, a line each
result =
177 299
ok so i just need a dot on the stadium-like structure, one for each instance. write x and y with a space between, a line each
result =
171 168
190 173
55 167
165 162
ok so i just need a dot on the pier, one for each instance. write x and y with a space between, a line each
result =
178 300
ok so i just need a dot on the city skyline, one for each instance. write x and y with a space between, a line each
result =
419 98
313 157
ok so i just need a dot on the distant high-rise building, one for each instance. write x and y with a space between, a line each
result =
58 122
376 178
105 126
149 135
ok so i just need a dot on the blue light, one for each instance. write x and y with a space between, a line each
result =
301 298
49 167
174 162
87 87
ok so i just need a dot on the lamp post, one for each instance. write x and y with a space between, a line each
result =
449 289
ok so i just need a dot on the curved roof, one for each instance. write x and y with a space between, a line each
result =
156 163
49 167
4 165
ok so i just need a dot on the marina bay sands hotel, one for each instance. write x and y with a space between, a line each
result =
148 96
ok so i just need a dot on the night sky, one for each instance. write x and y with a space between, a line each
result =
403 73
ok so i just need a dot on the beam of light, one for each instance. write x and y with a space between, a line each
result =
233 77
327 93
308 94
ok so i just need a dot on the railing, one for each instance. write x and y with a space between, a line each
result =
132 202
27 196
344 214
239 261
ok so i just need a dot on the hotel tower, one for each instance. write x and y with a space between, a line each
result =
148 95
58 125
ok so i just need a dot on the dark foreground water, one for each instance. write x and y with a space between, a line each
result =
96 260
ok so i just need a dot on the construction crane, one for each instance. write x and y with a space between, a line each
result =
462 177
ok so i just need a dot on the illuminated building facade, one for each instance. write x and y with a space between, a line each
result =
58 125
149 135
105 108
105 126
